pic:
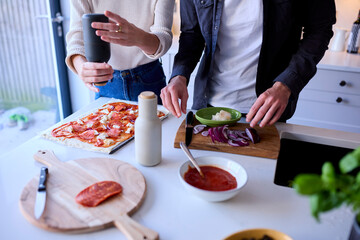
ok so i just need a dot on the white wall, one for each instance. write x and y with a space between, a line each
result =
346 13
80 95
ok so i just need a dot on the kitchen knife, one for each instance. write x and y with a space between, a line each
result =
41 194
189 128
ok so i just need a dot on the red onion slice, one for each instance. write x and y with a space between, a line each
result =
210 131
232 136
242 134
233 143
224 132
217 132
240 143
205 133
252 134
198 128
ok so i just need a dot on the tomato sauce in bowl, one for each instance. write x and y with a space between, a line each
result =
216 179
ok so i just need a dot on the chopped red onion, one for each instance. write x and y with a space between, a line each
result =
224 132
218 136
205 133
242 134
252 134
210 131
198 128
232 137
233 143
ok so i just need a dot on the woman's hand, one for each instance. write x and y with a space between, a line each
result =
91 72
120 31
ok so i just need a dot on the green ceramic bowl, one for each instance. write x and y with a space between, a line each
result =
204 116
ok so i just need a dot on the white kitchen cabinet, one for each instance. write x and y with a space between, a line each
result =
332 98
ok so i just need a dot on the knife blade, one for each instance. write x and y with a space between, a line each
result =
41 194
189 128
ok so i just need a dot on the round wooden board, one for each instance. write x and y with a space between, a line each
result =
67 179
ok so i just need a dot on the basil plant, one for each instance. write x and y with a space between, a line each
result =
331 189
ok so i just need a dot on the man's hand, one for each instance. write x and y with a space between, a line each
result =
269 106
171 94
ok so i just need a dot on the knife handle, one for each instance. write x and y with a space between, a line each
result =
189 118
42 179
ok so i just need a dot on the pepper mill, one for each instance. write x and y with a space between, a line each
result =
148 131
96 50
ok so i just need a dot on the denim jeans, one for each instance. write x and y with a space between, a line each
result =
128 84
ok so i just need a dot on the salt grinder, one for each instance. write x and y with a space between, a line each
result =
147 131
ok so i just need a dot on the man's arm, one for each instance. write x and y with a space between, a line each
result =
318 18
191 46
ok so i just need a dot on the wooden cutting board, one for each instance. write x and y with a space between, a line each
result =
268 147
67 179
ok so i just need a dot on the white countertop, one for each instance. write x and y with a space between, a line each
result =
341 61
168 208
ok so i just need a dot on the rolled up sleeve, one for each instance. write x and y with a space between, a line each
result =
161 28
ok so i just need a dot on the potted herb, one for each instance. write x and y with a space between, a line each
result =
332 189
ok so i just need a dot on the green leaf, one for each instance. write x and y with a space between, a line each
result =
350 161
328 175
358 178
345 181
308 184
324 201
315 206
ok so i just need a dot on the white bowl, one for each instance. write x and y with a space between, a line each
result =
228 165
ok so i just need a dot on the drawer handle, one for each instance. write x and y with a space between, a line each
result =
339 100
342 83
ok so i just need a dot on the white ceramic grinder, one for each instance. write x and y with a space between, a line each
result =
148 131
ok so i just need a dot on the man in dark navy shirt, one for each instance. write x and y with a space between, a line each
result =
257 55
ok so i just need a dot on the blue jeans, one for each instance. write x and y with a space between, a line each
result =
128 84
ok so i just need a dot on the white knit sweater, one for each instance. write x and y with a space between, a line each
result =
154 16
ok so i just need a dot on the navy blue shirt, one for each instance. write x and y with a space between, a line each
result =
284 55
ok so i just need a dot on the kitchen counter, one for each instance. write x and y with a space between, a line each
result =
168 208
341 61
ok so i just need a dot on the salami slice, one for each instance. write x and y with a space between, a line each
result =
97 193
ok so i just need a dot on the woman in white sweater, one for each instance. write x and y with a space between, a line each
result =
139 33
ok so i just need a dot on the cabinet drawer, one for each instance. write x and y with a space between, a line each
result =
335 81
327 115
337 99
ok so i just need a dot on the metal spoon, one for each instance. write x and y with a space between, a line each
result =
191 158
